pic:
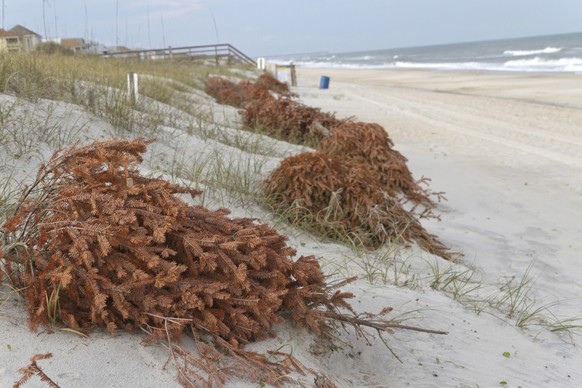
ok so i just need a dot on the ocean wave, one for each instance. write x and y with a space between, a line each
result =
402 65
335 65
523 53
442 66
541 64
360 58
537 64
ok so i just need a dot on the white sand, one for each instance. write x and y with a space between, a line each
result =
502 146
507 150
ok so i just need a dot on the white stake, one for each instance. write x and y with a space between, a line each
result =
132 86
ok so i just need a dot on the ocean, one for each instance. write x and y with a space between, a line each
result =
551 53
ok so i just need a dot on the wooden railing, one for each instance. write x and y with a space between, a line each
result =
218 52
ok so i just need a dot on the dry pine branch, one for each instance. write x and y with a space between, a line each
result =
33 369
103 245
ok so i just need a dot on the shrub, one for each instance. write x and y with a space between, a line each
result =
224 91
120 249
280 117
53 48
342 199
369 144
271 83
92 242
286 119
237 95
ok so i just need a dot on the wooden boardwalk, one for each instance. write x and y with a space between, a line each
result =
218 52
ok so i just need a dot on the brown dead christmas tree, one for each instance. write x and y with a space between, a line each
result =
92 242
343 199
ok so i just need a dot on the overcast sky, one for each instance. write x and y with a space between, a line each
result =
270 27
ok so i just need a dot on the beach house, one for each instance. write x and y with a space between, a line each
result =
18 38
77 45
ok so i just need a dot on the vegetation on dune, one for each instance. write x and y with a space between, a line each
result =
120 249
44 75
357 188
369 144
271 83
235 94
286 119
92 242
53 48
269 108
344 200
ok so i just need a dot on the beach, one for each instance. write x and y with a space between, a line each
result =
505 148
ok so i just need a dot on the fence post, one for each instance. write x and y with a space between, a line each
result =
132 87
91 99
293 75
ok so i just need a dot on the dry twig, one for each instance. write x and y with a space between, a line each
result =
33 369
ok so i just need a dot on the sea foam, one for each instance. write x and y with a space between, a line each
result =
541 64
523 53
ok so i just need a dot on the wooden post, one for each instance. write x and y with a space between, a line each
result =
132 87
293 75
91 99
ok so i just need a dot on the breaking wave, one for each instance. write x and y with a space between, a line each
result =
524 53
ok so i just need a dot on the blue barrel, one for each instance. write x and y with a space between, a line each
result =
324 82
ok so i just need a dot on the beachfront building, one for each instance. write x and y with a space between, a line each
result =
19 39
77 45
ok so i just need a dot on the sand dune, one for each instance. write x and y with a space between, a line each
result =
506 149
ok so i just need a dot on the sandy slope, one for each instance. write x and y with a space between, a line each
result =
507 150
510 167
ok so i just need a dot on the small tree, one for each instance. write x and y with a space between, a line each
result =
53 48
